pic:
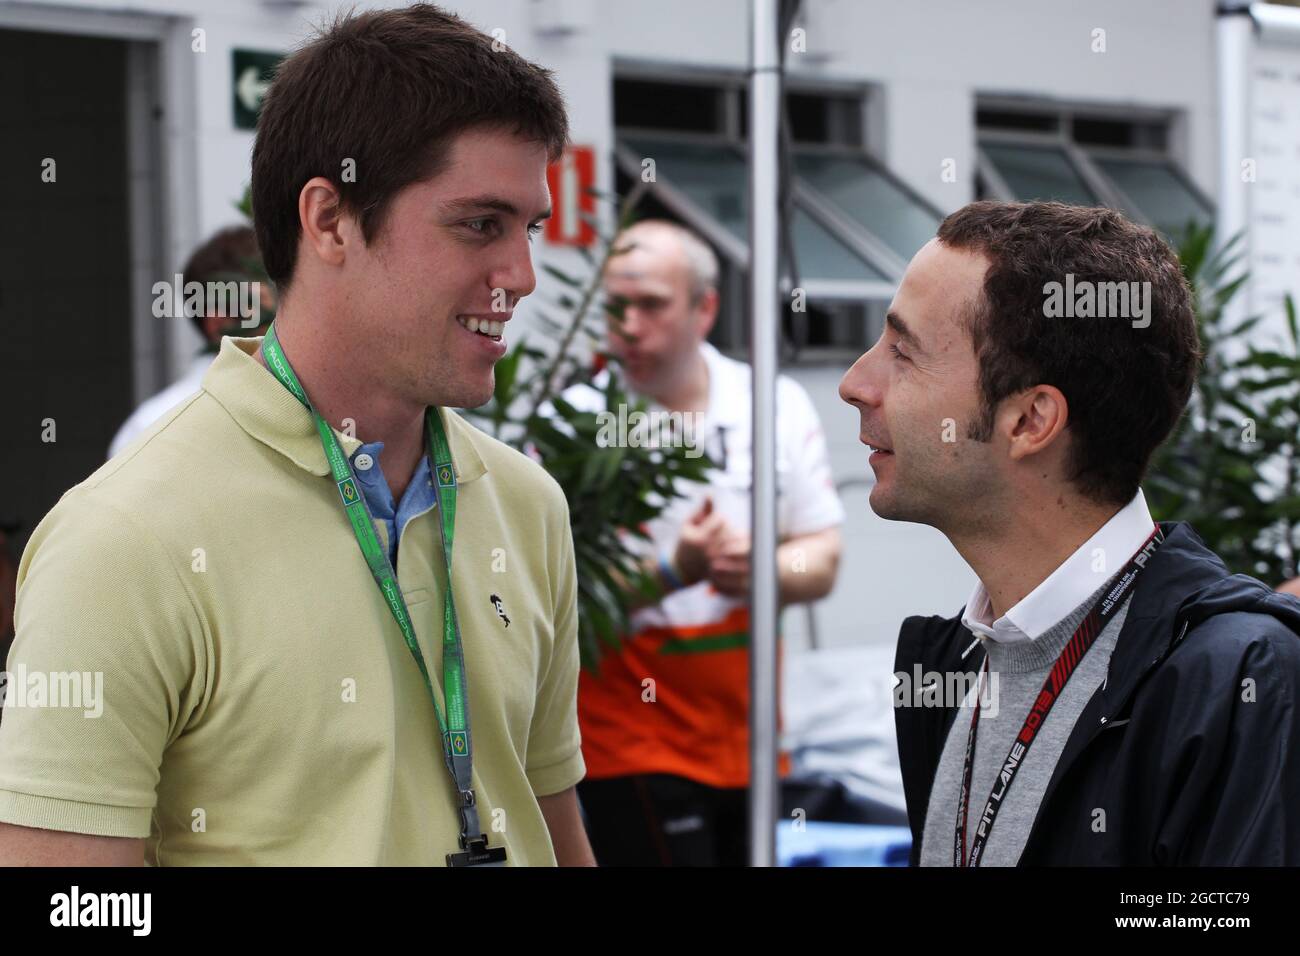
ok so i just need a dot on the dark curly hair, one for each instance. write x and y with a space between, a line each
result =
1126 386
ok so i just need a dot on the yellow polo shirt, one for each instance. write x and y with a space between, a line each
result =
259 703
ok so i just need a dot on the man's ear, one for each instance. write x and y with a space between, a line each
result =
1033 419
325 233
707 312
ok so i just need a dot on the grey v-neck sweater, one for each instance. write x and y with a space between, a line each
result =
1021 669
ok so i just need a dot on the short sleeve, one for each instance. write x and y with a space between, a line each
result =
810 502
554 760
107 665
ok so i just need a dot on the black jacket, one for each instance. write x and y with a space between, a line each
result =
1187 770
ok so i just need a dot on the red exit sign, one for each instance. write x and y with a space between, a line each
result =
571 180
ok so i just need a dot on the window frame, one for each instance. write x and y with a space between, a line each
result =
1155 157
1080 155
861 243
855 237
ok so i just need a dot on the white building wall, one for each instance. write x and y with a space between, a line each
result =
927 59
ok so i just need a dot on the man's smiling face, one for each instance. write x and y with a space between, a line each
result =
453 255
917 391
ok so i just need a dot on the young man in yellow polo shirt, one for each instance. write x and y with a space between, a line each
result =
259 584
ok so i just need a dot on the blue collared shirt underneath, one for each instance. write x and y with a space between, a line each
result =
418 498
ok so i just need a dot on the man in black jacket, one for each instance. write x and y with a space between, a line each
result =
1110 694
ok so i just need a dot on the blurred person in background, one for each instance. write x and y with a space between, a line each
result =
228 256
667 779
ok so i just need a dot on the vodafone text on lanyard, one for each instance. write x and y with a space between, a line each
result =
1083 638
457 746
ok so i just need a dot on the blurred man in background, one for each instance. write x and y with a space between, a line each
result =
229 256
668 770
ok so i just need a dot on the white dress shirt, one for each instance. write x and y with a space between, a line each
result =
1082 573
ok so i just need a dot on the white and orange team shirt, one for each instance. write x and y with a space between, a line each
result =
693 720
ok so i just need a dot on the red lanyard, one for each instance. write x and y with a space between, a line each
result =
1084 636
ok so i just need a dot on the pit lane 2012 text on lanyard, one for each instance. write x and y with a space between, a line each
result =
1083 638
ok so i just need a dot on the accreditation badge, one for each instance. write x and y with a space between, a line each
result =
478 854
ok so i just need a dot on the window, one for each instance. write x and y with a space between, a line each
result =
873 198
1088 158
690 107
1158 188
854 225
1037 172
818 118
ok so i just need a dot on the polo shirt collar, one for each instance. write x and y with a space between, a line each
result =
265 409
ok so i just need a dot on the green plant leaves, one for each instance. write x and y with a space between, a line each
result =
1231 466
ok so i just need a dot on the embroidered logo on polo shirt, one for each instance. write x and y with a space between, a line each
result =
501 610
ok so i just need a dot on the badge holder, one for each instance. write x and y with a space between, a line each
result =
478 853
474 850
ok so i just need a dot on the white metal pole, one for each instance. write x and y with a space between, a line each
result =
764 106
1241 29
1232 42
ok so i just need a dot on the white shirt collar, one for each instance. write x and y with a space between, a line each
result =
1082 573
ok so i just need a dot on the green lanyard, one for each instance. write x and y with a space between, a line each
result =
456 743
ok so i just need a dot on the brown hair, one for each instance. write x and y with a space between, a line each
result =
389 90
230 252
1126 386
